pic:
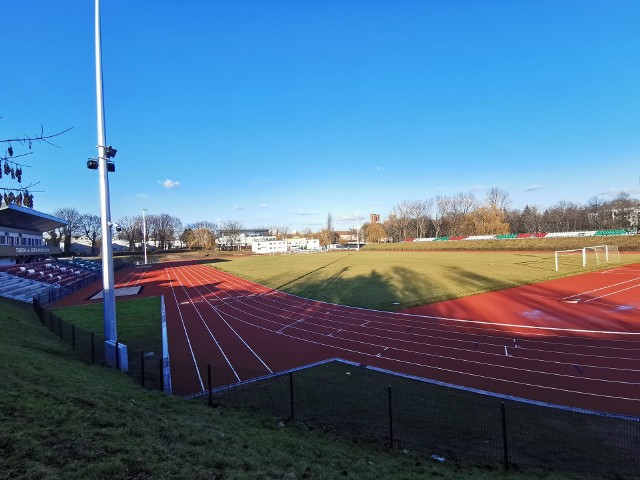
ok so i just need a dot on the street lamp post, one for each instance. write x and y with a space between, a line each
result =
144 234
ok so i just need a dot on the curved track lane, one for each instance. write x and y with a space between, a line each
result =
536 342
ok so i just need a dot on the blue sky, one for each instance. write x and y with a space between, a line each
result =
279 112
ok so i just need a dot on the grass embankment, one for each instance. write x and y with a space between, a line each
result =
388 280
626 243
60 418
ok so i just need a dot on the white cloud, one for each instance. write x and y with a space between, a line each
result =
238 207
533 188
169 183
263 205
143 196
614 192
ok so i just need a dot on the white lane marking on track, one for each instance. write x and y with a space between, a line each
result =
185 330
227 324
546 387
212 336
291 325
311 332
443 357
603 288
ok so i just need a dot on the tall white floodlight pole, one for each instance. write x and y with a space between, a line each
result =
357 234
144 234
110 332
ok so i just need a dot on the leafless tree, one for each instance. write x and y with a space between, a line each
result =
328 234
441 212
164 229
404 214
73 226
130 230
498 199
92 229
231 230
279 232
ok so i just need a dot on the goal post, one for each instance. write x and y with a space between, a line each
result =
572 252
597 253
613 254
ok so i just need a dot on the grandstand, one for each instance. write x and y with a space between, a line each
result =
21 235
27 264
522 236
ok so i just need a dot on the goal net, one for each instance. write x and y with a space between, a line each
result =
581 257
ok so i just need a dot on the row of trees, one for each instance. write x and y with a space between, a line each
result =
162 230
465 214
459 214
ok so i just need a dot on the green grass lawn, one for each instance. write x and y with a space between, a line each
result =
138 321
61 418
388 280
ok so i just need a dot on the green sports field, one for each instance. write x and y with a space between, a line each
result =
396 280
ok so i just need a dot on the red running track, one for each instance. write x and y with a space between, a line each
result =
573 342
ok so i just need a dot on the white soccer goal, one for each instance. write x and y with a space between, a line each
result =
587 255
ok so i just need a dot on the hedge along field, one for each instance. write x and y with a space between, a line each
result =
626 243
388 280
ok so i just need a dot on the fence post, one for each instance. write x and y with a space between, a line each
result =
505 444
291 402
390 417
93 350
142 367
117 356
73 336
209 383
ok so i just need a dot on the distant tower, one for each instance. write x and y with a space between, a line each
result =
374 217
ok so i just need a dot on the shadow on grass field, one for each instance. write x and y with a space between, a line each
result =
388 280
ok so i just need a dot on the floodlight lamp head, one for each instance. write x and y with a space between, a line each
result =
110 152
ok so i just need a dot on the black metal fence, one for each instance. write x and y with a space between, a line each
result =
145 367
58 292
445 424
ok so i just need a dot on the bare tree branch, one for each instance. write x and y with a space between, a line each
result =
38 138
